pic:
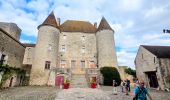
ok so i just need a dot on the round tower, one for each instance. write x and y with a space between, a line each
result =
46 49
106 45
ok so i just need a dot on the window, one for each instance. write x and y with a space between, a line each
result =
154 59
73 64
83 49
64 36
63 64
92 64
49 47
2 59
82 64
83 37
63 48
47 64
142 56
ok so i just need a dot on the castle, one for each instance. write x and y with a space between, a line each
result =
72 48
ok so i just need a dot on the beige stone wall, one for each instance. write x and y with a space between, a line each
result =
146 64
74 42
12 29
29 55
106 48
13 50
165 71
45 50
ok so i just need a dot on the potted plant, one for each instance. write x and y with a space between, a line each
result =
93 82
66 83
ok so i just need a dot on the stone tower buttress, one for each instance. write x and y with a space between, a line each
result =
106 45
46 50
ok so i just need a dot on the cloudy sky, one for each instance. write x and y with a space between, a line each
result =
136 22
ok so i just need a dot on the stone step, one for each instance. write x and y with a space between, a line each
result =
78 81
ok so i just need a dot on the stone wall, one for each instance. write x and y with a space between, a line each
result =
12 48
106 48
46 49
74 43
12 29
29 55
144 62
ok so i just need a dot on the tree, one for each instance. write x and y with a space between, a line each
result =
130 71
110 74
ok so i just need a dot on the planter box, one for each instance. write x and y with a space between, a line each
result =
93 85
66 85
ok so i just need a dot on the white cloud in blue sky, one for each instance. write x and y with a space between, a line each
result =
135 22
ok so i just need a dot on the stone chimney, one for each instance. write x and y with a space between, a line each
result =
58 21
95 24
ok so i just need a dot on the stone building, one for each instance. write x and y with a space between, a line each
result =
11 51
73 47
153 65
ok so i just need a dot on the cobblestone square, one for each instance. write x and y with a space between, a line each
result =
53 93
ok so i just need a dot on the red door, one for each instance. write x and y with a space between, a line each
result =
59 80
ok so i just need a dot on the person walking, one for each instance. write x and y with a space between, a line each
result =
140 92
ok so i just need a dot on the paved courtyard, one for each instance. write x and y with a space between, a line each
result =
52 93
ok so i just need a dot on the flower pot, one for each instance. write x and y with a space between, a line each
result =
93 85
66 85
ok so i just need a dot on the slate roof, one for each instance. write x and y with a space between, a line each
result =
159 51
50 20
29 45
77 26
104 25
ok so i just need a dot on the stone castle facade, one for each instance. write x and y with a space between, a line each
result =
75 45
70 48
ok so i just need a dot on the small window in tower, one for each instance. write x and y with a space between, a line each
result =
154 59
64 36
49 47
63 48
83 49
47 64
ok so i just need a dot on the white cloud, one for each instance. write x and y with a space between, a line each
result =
155 12
130 5
135 22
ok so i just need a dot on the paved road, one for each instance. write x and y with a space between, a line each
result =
52 93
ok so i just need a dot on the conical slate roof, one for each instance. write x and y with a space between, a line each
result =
50 20
104 25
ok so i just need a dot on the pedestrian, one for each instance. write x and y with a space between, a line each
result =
141 92
137 82
114 87
122 85
128 84
126 87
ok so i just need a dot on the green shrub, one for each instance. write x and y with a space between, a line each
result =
110 74
130 71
